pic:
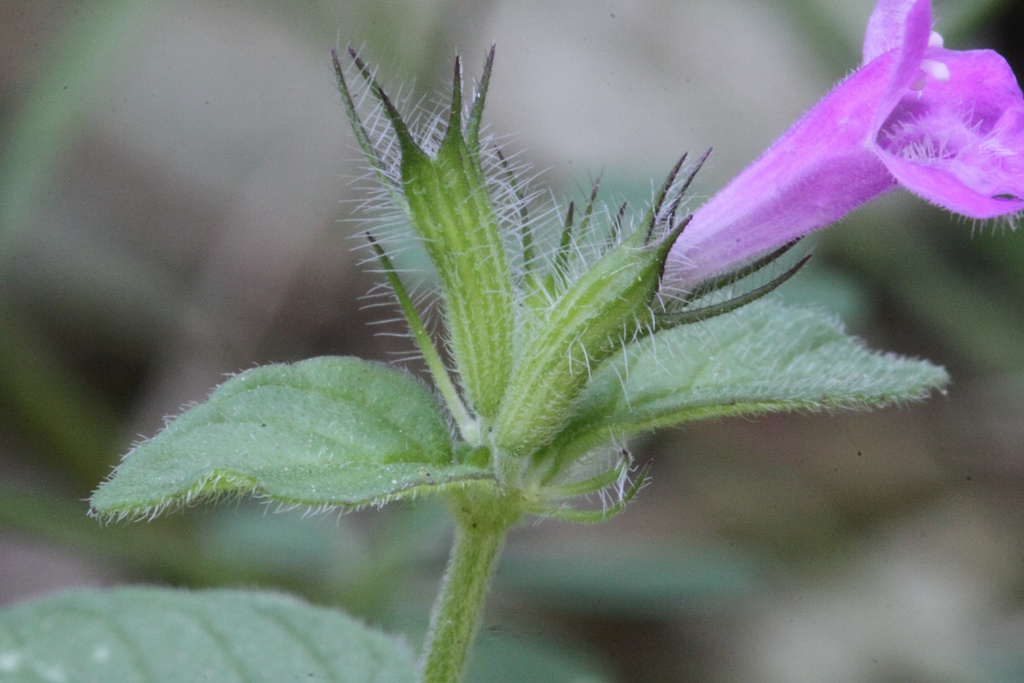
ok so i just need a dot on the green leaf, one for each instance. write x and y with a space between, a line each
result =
762 358
328 431
149 635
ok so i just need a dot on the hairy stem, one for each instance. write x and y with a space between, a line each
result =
483 522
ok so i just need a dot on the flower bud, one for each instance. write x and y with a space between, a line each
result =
609 305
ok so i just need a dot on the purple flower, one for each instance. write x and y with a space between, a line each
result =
946 125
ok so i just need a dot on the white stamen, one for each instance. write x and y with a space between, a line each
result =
937 70
935 39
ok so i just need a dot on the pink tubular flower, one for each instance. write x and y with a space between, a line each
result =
946 125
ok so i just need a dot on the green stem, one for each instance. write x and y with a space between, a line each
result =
483 522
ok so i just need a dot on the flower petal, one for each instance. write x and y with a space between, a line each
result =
913 33
888 23
819 170
947 125
959 143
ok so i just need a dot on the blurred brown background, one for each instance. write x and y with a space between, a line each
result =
176 184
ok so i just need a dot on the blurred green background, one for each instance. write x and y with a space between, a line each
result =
176 189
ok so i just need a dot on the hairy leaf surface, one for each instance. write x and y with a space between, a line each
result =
763 358
328 431
149 635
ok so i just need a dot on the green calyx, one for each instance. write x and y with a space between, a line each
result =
607 307
446 200
523 340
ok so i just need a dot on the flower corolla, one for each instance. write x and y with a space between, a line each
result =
946 125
